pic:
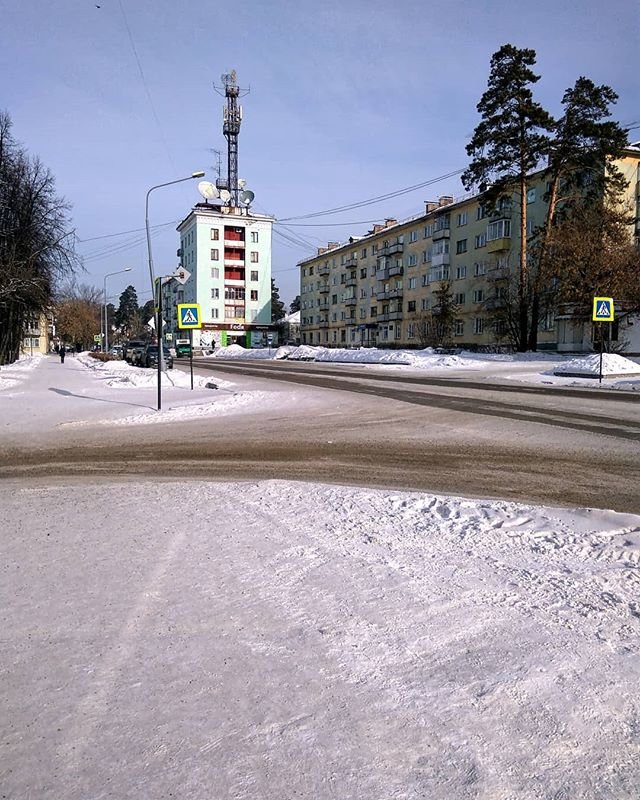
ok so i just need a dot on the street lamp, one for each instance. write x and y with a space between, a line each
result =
158 299
105 339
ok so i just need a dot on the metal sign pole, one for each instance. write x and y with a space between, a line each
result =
191 356
159 339
601 344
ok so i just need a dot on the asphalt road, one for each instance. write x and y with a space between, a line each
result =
381 429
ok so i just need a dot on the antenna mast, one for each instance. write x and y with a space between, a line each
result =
232 118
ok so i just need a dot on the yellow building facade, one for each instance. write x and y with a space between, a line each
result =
378 289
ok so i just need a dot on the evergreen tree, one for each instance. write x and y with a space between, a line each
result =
277 306
127 310
508 144
295 304
580 173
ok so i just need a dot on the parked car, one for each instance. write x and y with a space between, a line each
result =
131 351
116 350
149 357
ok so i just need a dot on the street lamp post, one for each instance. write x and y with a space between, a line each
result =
158 297
105 314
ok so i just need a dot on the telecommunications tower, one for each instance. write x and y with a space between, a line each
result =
232 117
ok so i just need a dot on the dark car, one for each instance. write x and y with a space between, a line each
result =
149 357
131 351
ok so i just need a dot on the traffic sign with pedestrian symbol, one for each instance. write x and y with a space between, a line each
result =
603 309
189 315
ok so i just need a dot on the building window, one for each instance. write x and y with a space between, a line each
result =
363 291
460 298
462 219
215 272
254 258
479 268
425 304
373 311
363 313
461 272
234 312
478 295
428 231
254 294
531 195
254 274
411 330
459 327
413 236
481 240
364 252
501 229
215 254
254 236
478 325
234 293
411 306
412 260
215 234
461 246
413 282
215 294
481 212
426 256
214 313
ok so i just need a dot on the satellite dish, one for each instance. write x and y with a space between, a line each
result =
225 195
247 197
207 190
241 183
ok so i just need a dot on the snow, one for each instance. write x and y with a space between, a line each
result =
548 368
288 639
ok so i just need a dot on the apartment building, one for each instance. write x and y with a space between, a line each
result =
227 250
376 289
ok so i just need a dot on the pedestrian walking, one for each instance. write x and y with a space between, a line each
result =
63 352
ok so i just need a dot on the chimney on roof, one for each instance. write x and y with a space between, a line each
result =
429 206
389 221
331 245
322 250
377 228
445 200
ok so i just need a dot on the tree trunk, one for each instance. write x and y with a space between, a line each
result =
522 282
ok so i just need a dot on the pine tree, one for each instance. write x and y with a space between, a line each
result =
580 174
295 304
277 306
127 310
508 144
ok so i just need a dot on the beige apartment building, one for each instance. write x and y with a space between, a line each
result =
377 289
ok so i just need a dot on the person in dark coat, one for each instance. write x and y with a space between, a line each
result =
63 352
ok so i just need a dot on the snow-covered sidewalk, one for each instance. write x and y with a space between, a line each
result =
274 640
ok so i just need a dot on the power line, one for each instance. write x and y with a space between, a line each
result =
146 87
372 200
124 233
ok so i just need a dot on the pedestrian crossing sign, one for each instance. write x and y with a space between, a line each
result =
603 309
189 315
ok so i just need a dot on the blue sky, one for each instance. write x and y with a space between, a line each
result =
349 100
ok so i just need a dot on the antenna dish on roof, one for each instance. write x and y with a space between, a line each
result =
207 190
241 183
225 195
247 197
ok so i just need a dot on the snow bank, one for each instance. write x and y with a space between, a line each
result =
119 374
589 366
13 374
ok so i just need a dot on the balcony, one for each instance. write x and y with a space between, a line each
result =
394 293
382 318
350 321
324 288
440 260
498 274
497 245
325 269
397 270
395 315
494 303
234 243
351 262
324 305
391 249
442 233
351 301
351 282
324 323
